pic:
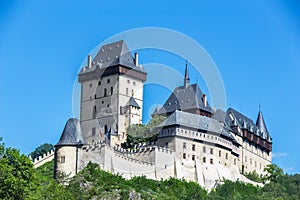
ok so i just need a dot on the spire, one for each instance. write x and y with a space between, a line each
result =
186 75
260 123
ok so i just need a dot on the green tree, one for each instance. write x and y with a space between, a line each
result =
139 133
41 150
274 173
16 173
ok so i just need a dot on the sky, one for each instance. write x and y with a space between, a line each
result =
255 46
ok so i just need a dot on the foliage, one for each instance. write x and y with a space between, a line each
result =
139 133
235 190
16 173
274 173
41 150
254 176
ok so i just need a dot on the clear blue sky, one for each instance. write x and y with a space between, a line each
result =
255 44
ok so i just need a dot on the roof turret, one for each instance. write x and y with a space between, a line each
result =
72 134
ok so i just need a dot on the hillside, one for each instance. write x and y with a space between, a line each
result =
19 180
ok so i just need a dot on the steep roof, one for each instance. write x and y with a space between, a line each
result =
235 118
196 121
72 134
132 102
260 123
116 53
184 98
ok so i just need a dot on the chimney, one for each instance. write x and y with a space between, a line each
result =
204 100
136 59
89 61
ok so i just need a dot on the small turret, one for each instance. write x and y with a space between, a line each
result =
66 150
260 123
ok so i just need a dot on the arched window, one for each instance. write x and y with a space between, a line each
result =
105 92
94 112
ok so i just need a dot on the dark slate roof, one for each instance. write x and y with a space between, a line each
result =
116 53
235 118
184 98
220 116
196 121
260 123
71 135
132 102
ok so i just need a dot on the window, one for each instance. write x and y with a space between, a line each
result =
108 105
133 82
226 156
255 163
132 93
166 144
111 90
211 151
204 149
91 85
99 83
93 131
108 81
259 165
94 112
184 155
245 158
193 157
62 159
193 147
105 92
127 91
128 81
211 161
250 161
220 153
204 159
184 145
234 161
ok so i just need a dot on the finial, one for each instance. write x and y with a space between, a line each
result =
186 75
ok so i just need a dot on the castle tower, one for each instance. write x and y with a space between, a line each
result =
66 150
111 93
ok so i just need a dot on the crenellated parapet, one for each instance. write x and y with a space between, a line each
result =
43 159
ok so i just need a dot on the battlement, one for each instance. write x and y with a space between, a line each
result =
43 159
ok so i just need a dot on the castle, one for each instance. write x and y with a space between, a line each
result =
195 141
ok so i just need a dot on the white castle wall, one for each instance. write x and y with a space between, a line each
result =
43 159
161 164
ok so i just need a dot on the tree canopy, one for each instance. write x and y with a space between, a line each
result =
41 150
